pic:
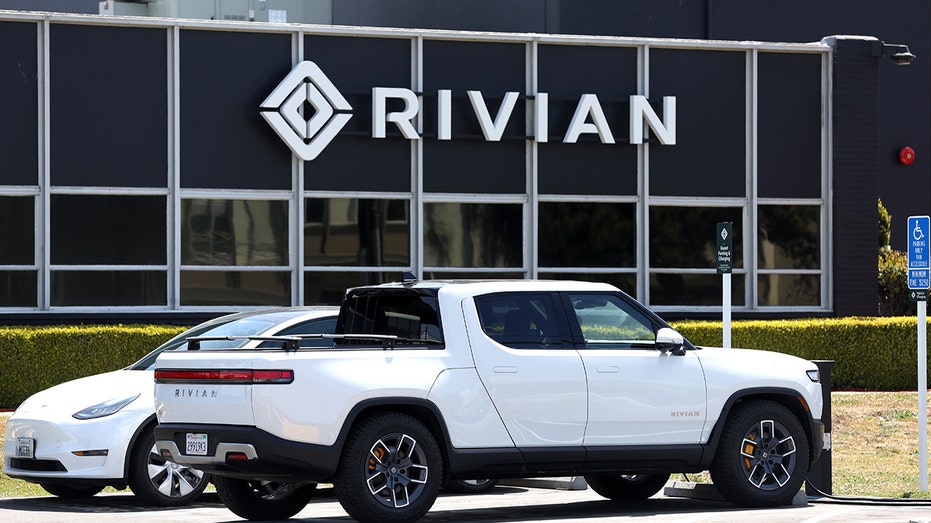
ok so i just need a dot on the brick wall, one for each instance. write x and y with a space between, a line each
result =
856 168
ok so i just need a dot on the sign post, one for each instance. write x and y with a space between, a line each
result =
723 234
919 280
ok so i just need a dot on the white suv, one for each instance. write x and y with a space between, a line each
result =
436 381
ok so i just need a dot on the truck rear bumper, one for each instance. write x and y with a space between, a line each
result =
248 453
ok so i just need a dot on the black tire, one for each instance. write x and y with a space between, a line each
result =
263 500
70 491
627 487
762 458
471 486
157 481
390 470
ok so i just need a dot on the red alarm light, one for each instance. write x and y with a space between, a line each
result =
907 155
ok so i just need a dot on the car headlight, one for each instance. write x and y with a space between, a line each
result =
106 408
814 375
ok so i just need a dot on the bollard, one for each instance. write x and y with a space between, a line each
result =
819 477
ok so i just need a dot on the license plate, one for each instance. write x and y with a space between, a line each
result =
196 444
25 448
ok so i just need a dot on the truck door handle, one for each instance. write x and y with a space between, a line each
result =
608 369
505 369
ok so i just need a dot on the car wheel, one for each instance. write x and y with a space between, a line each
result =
471 486
627 487
263 500
69 491
157 481
762 458
390 470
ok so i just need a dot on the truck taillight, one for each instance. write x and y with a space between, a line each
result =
224 376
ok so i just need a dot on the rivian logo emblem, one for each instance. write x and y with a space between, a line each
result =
307 112
306 87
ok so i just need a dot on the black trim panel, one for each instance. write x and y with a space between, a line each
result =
278 458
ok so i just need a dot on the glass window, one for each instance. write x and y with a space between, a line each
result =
609 322
18 288
587 234
234 232
684 237
108 230
329 287
694 289
235 288
627 282
520 321
357 232
787 290
18 234
465 275
108 288
473 235
789 236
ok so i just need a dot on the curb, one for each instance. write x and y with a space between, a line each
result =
707 491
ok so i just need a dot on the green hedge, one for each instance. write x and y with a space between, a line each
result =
35 358
869 353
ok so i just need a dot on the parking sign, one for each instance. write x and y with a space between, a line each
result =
919 262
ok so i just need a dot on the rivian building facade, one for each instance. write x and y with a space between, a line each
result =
159 167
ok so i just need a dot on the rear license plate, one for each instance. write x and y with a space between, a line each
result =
25 448
196 444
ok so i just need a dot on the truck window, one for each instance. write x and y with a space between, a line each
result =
519 320
412 317
608 322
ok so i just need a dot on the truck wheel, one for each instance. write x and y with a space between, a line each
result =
762 458
628 487
263 500
157 481
390 470
70 492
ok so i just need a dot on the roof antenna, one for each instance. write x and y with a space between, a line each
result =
408 277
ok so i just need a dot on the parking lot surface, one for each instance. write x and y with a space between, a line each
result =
504 504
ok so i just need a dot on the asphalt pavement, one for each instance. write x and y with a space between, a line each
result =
504 504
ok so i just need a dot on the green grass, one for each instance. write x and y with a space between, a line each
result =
875 448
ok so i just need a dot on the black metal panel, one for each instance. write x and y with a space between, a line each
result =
645 18
225 143
356 65
108 92
19 105
589 166
476 15
789 125
467 162
709 158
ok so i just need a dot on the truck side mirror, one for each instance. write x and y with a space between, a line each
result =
668 340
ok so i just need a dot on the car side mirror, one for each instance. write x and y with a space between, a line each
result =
668 340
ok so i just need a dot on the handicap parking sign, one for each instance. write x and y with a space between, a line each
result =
919 261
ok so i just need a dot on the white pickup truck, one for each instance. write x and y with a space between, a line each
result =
428 382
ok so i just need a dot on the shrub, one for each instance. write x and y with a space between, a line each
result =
885 227
35 358
869 353
894 297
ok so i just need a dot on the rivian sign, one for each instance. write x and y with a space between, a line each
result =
307 85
